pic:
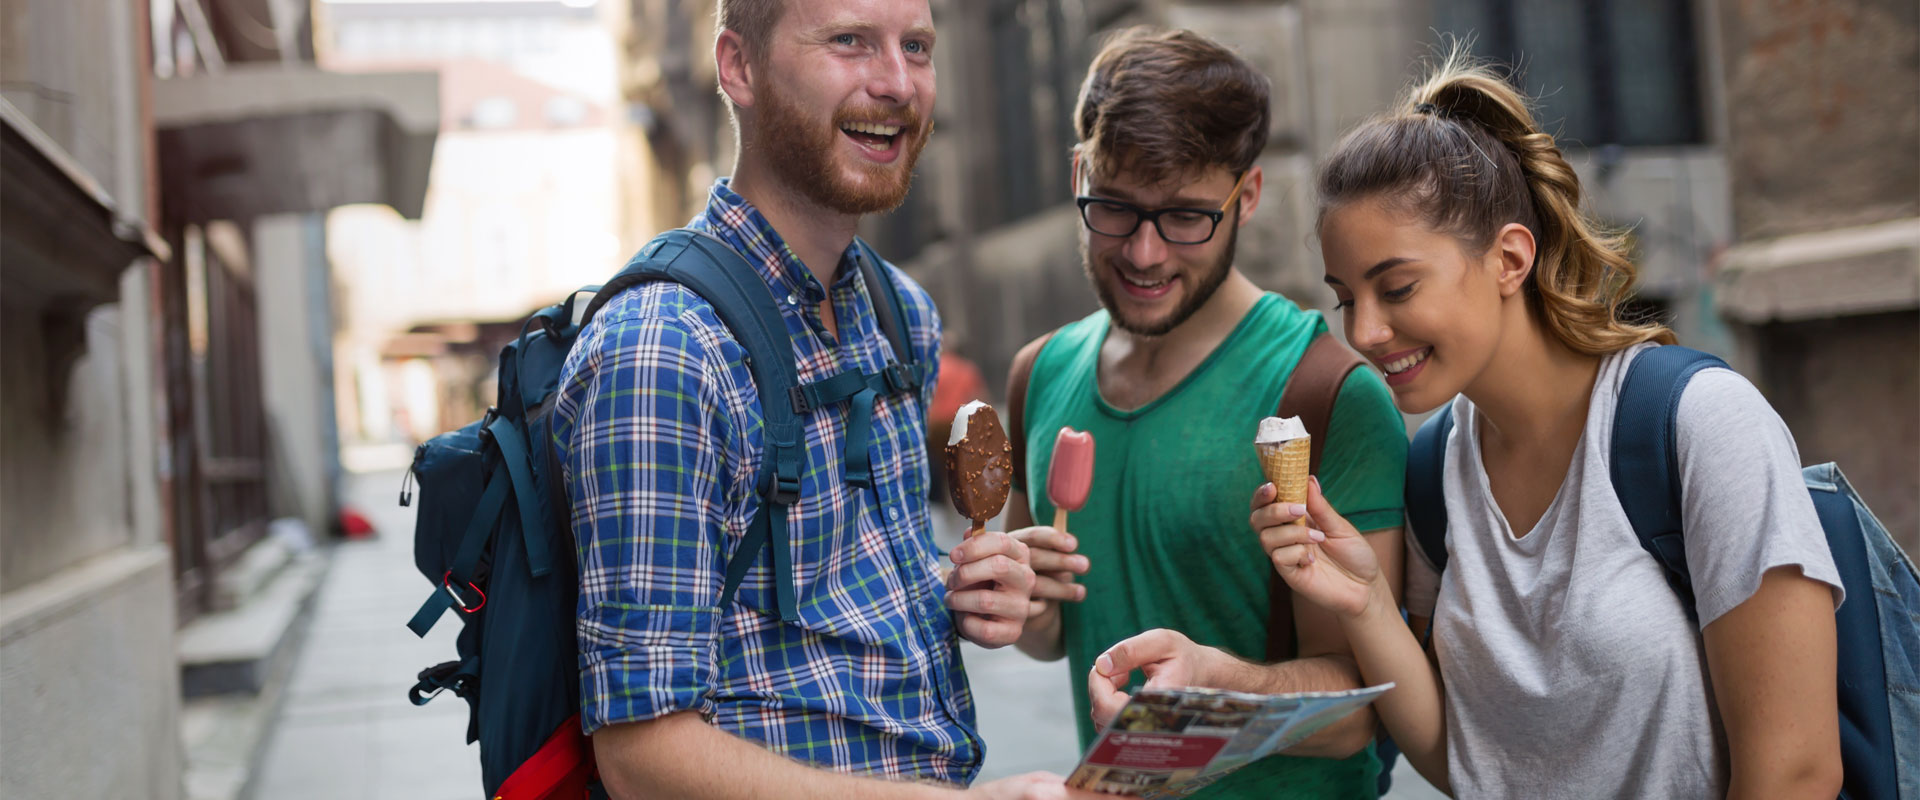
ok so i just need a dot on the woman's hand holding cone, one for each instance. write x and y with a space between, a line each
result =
1320 556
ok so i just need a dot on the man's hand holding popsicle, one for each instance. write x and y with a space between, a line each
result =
991 584
1055 562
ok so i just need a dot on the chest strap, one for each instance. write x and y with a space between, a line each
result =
864 390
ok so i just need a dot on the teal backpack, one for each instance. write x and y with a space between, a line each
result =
493 534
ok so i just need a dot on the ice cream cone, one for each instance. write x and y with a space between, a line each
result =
1285 464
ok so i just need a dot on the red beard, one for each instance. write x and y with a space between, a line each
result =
800 150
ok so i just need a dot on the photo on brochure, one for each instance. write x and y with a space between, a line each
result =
1169 743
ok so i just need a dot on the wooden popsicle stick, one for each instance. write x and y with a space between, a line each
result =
1060 520
975 527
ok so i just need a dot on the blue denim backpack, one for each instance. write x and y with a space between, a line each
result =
1878 628
493 533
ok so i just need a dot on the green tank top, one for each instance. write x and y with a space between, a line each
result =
1165 527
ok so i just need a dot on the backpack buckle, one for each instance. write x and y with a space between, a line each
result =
900 378
461 602
798 399
786 491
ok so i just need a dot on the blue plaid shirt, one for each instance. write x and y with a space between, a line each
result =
658 428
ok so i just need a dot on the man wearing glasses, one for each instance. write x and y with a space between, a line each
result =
1172 376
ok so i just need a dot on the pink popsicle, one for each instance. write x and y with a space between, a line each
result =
1070 476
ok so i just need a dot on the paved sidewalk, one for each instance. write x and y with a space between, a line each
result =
347 730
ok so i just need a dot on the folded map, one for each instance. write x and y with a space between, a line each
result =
1169 743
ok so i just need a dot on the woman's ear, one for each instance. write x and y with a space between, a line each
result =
1513 250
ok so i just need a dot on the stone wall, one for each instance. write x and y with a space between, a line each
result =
1824 276
1822 113
91 699
1849 388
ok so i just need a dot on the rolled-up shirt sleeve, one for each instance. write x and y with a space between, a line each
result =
646 458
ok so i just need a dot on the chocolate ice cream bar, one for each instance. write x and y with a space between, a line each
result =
979 464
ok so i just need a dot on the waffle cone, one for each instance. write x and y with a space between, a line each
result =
1285 464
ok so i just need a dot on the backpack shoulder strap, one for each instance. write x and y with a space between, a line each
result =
1314 386
1310 394
887 304
1426 494
713 270
1426 475
1645 455
1018 378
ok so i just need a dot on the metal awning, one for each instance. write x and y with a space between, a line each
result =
63 238
273 139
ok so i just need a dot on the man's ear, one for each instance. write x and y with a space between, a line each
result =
1250 192
734 68
1513 249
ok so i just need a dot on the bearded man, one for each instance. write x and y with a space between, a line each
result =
659 434
1172 377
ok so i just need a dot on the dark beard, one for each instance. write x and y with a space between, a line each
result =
800 152
1209 281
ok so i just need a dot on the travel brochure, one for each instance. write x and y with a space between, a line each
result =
1169 743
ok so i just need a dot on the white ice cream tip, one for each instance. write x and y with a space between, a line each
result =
960 421
1274 430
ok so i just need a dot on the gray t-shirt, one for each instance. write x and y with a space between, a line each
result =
1570 667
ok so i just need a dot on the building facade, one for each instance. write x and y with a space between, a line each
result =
1760 154
86 586
1823 276
165 342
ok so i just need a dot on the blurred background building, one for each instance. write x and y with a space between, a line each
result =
251 251
1821 277
1809 114
524 203
168 348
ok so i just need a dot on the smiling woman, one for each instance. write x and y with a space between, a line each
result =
1466 271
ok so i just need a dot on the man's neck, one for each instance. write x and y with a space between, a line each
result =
817 236
1136 370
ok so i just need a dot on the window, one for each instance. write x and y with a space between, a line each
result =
565 111
1603 71
1036 58
494 112
1014 125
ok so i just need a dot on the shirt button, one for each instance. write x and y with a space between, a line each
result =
893 514
793 301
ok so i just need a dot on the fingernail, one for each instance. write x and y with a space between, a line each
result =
1072 542
1315 536
1309 558
1103 663
1315 479
1081 562
1080 593
1297 509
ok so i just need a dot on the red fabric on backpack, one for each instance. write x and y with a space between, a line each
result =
559 770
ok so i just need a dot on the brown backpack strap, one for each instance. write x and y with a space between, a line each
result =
1310 393
1017 379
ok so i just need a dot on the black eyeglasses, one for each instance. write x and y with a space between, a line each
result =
1109 217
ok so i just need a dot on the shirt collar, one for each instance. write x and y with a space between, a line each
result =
732 218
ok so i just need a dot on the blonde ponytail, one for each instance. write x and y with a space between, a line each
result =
1466 155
